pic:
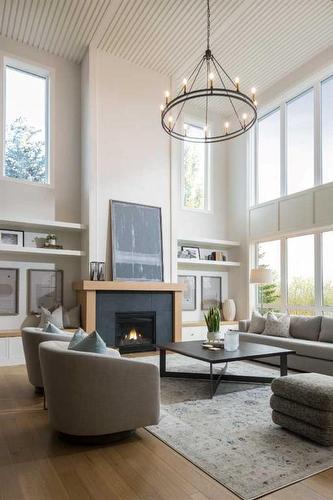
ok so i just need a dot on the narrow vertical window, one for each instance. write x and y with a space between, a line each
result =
26 125
301 275
328 269
195 171
327 129
300 142
268 161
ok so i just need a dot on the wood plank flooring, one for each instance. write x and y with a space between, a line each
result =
36 465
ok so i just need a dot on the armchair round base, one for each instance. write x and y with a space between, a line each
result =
95 440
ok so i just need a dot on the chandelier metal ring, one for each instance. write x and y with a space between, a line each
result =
238 108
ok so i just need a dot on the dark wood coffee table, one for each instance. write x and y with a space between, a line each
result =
246 351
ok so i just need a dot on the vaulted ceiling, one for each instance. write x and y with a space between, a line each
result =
258 40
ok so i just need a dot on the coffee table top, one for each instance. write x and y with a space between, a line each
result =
246 350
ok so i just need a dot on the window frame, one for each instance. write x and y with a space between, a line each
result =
208 195
25 66
314 82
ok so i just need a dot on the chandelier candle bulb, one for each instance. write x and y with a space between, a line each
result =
185 129
185 85
205 130
161 108
211 80
237 83
244 116
226 128
167 97
170 120
253 92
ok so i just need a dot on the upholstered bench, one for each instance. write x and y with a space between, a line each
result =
303 404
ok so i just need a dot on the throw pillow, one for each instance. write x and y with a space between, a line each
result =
50 328
257 323
77 337
326 333
71 317
54 317
91 343
277 327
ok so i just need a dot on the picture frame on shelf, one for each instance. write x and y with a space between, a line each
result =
191 252
211 292
45 289
11 237
190 292
9 286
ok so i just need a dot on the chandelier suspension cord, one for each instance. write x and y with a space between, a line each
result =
208 25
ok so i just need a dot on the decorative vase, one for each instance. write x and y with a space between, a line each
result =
229 310
213 336
231 340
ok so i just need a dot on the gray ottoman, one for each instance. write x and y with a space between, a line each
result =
303 403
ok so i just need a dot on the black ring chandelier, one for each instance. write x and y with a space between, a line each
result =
239 109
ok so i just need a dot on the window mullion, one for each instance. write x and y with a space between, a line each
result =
283 150
284 275
319 273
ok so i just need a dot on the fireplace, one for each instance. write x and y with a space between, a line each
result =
135 331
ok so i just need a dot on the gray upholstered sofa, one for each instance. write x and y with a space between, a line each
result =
310 337
92 394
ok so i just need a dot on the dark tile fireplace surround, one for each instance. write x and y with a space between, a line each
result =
134 321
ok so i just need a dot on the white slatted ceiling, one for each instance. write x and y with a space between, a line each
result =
258 40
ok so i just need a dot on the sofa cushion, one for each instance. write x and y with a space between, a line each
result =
77 337
71 317
309 348
50 328
277 327
326 332
305 327
257 324
54 317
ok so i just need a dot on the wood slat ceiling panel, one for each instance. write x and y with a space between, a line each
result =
258 40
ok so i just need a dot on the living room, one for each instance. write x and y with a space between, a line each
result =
166 238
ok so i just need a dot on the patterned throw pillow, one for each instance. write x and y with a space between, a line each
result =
277 326
50 328
77 337
257 324
54 317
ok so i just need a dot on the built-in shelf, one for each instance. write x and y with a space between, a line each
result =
15 223
205 264
12 249
208 243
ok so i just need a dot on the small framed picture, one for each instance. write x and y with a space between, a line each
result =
11 237
9 279
190 292
211 292
45 289
191 252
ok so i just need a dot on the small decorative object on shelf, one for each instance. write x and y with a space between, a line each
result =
213 319
231 340
101 271
190 252
51 241
229 310
97 271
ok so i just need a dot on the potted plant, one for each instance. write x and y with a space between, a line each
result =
51 240
213 319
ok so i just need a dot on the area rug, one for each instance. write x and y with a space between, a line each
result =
232 437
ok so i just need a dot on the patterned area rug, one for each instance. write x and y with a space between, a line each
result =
232 437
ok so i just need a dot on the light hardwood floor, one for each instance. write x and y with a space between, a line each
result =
35 464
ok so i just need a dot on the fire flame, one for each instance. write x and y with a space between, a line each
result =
133 335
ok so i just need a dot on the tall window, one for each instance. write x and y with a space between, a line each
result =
195 171
301 272
300 142
328 269
268 166
268 255
327 129
26 125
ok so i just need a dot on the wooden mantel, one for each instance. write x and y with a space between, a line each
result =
86 297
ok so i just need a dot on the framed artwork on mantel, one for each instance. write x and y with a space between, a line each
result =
136 242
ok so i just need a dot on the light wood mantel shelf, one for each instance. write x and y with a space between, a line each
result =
128 286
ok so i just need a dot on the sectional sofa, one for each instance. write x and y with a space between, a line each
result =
310 337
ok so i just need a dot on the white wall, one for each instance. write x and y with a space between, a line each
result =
60 202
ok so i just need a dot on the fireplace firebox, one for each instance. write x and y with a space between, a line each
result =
135 331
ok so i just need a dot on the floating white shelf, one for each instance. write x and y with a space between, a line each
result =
205 264
16 223
208 243
11 249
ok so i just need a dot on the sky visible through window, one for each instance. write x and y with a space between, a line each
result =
269 157
301 271
26 108
194 170
327 129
